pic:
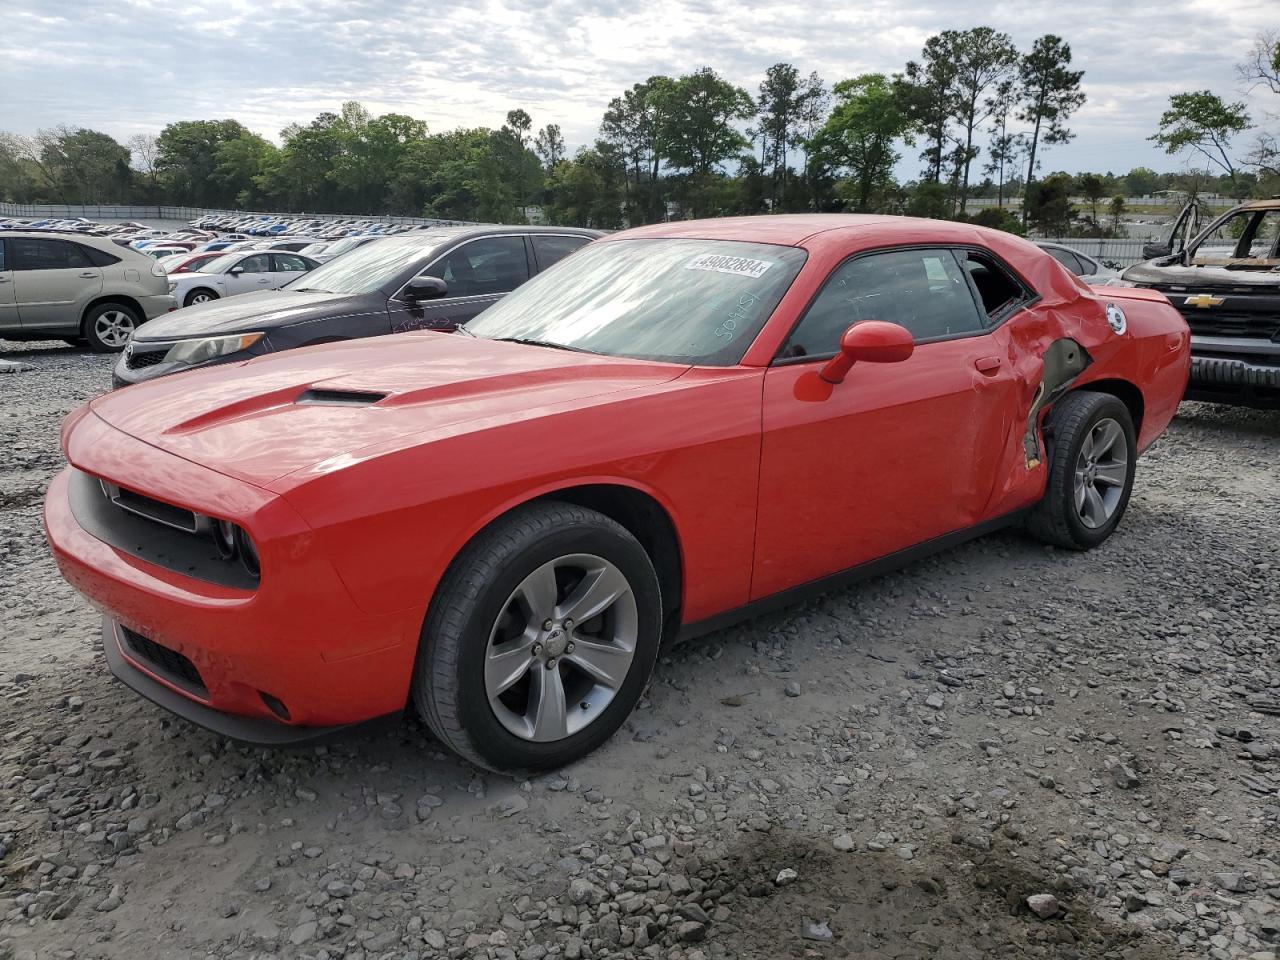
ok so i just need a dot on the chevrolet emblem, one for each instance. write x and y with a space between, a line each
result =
1203 300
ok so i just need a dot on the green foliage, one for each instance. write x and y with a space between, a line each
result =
929 199
1050 95
998 219
1048 205
859 137
1202 123
696 114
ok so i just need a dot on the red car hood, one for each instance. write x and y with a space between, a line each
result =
261 420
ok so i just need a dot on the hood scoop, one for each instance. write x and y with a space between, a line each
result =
340 398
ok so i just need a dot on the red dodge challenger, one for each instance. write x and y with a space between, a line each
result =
676 427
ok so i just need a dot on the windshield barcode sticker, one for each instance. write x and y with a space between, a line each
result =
719 263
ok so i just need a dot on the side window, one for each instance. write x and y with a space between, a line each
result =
1262 244
923 290
99 258
1000 293
549 250
288 263
1221 242
259 263
31 253
1066 258
489 265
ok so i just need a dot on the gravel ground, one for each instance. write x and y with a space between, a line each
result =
1003 751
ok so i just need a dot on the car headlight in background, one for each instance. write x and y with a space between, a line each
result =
210 348
158 271
173 285
1117 282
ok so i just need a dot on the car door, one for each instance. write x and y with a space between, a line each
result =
251 273
8 303
53 282
478 273
896 454
286 267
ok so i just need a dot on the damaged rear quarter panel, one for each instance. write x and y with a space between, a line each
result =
1064 342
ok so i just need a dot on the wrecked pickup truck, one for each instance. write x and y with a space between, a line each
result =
1225 280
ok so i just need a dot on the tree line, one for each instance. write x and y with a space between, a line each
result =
981 115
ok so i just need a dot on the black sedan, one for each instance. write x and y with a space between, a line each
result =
435 279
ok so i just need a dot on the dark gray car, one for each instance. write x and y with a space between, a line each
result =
430 280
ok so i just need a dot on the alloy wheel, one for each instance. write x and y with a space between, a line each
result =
201 298
1102 469
561 648
113 328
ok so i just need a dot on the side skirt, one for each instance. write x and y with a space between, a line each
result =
864 571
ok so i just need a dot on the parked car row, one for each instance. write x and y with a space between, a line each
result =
329 228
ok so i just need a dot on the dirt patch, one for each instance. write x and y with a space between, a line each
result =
954 901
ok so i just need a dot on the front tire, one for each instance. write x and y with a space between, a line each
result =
1092 454
540 639
108 327
199 295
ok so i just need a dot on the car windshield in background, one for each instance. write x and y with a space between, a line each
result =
219 264
368 268
686 301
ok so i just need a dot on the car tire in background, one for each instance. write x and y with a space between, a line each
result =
506 676
199 295
1091 452
108 326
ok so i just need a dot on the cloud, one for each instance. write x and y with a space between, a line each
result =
130 66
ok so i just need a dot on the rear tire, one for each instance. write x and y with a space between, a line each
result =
505 677
199 295
1092 453
108 327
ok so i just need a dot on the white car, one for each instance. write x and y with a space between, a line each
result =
240 272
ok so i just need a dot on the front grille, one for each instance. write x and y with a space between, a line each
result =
167 663
1232 323
135 360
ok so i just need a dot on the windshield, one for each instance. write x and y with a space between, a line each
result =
311 249
342 246
687 301
369 268
219 264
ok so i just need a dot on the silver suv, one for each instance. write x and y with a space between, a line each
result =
83 290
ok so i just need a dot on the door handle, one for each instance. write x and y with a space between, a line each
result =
88 276
987 365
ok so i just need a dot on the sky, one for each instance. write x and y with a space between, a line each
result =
131 66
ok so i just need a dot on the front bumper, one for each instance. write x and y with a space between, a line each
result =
1244 372
250 730
297 652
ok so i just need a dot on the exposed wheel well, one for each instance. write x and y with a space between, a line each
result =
113 298
1126 393
648 522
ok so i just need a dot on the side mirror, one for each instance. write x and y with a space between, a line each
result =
425 288
871 341
1150 251
236 271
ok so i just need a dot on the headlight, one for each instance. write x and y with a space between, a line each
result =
1117 282
173 285
210 348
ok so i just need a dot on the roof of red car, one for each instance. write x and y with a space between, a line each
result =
860 231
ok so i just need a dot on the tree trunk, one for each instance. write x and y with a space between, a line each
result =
1031 166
